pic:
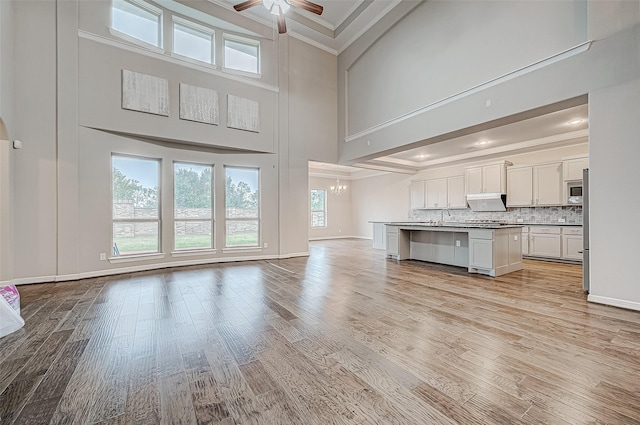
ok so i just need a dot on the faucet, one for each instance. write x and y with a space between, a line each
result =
442 215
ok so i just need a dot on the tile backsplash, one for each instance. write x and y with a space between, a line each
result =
538 215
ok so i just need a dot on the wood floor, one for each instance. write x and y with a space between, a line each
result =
342 337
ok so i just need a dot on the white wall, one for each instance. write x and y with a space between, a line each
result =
613 178
68 113
339 214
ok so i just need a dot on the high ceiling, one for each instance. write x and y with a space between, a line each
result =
341 22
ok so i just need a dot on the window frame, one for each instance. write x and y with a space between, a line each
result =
323 210
257 218
248 42
198 28
158 220
128 37
212 219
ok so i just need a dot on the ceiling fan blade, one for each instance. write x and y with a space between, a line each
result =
282 26
308 6
246 5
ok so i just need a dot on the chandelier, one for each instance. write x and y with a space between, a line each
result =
277 7
338 189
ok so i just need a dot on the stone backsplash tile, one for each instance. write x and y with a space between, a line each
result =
538 215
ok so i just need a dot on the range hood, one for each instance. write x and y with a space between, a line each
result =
487 202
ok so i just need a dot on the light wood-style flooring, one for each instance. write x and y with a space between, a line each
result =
342 337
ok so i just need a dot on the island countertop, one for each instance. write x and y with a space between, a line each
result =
449 225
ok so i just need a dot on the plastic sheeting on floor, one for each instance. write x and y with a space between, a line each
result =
10 319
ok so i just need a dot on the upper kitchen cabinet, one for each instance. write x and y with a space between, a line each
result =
436 193
547 184
572 167
491 178
520 186
455 192
417 193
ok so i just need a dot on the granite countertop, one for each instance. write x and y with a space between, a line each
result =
552 224
451 225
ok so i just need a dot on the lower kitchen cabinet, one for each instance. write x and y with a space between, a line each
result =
572 243
525 240
545 242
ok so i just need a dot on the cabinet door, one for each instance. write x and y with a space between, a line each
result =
436 193
541 245
473 180
455 191
520 187
572 247
547 184
481 253
525 244
392 244
492 179
572 168
417 194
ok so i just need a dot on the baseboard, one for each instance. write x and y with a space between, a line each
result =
324 238
142 268
615 302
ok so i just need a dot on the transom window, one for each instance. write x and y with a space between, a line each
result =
242 207
241 54
193 206
193 41
135 186
318 208
137 19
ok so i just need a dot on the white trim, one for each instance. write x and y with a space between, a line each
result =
167 58
314 43
135 258
348 14
615 302
136 41
477 88
241 249
189 253
333 237
369 26
147 267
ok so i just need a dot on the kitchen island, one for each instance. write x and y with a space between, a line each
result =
490 249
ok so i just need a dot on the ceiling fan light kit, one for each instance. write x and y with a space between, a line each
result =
279 7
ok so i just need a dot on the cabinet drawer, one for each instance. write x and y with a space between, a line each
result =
481 234
525 229
545 230
392 229
572 230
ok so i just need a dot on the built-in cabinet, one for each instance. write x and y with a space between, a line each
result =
572 168
490 178
552 242
445 192
535 185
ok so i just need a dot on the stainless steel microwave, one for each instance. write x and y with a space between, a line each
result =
574 192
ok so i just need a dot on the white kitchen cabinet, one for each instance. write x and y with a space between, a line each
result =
547 184
455 192
417 193
379 236
520 186
572 168
436 193
490 178
572 243
545 241
525 240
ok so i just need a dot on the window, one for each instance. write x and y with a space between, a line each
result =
193 41
136 201
318 208
192 203
241 54
242 206
137 19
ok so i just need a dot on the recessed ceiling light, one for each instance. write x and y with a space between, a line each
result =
421 156
576 121
482 143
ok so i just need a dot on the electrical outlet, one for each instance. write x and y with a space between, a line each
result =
561 220
515 237
103 256
265 245
519 220
487 103
457 243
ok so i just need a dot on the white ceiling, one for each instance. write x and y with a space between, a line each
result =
541 132
341 22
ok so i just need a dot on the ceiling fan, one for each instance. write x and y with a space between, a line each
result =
280 7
